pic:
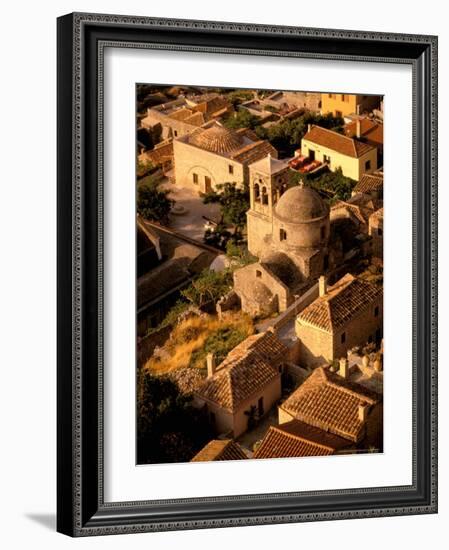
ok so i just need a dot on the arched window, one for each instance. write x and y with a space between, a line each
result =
257 192
264 195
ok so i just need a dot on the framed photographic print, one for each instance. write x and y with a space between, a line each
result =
247 284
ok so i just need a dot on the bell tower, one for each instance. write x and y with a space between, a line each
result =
268 179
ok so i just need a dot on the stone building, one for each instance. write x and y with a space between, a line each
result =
354 157
376 231
331 403
369 131
289 230
348 104
246 384
184 115
297 439
370 184
220 449
215 154
346 314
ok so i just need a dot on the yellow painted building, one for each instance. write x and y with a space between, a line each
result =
348 104
354 157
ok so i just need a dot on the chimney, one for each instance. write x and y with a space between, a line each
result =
358 128
343 371
363 412
322 285
272 329
210 361
309 127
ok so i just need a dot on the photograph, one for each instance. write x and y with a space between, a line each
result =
259 273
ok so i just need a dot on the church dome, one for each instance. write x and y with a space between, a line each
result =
300 204
217 139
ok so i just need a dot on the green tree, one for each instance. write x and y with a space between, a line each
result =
335 184
209 286
233 201
169 428
241 119
287 135
152 201
239 96
218 237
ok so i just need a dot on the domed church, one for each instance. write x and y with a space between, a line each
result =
289 231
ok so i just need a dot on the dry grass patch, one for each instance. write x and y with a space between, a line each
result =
192 339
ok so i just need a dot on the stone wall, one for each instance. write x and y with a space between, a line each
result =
316 345
359 329
256 286
270 394
260 229
319 346
170 126
190 160
351 167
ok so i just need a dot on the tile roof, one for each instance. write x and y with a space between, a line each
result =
217 139
161 154
343 300
266 344
329 402
237 379
296 439
220 449
269 165
337 142
254 151
369 129
369 183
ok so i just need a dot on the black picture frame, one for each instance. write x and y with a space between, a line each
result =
81 510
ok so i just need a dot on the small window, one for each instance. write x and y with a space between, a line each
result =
195 178
326 159
343 337
264 195
282 235
231 169
368 165
330 96
176 133
338 114
257 192
376 311
378 335
380 231
258 273
343 97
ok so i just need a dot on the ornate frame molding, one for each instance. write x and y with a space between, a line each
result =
81 42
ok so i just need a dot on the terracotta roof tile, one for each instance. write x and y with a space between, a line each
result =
236 379
266 344
160 155
369 183
369 129
220 449
329 402
346 298
337 142
296 439
254 151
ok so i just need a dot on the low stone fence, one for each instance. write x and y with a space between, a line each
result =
295 308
